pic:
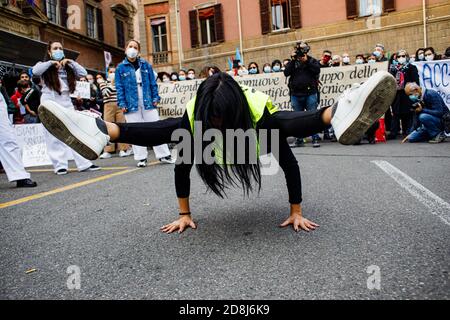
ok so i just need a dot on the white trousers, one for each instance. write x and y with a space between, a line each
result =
142 115
58 152
10 153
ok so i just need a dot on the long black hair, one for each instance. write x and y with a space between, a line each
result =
220 97
51 77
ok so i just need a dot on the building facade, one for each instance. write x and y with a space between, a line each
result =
208 32
86 28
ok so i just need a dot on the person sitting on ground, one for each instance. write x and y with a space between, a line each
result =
430 109
222 105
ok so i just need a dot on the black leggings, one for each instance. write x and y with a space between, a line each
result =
299 124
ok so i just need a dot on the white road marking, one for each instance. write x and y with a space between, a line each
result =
436 204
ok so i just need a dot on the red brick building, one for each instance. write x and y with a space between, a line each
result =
86 28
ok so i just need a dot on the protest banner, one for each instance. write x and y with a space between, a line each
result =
334 81
435 75
82 90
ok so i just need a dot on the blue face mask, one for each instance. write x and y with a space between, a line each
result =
253 71
377 54
58 55
182 78
276 68
414 98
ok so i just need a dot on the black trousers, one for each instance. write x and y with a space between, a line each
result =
290 124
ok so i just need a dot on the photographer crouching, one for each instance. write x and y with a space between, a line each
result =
430 111
303 72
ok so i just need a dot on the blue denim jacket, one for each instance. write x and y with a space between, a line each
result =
126 85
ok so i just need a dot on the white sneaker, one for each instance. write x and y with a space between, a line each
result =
142 163
106 155
127 153
168 160
361 106
79 130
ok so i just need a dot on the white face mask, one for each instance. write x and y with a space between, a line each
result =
191 76
267 70
346 60
91 81
412 59
111 76
430 57
372 61
359 61
174 77
421 56
401 60
132 53
166 80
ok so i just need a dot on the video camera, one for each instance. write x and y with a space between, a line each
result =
301 49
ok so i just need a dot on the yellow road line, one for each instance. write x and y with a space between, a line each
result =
62 189
75 170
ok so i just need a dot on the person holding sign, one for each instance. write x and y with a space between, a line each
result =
222 105
137 96
59 75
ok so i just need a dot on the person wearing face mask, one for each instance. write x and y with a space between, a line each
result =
359 59
174 76
430 110
326 58
430 54
242 71
267 68
379 53
182 75
276 66
253 68
420 54
372 59
345 59
403 72
336 61
164 77
303 72
113 114
59 76
191 74
138 98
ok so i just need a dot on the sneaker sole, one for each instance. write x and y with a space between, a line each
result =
375 106
59 129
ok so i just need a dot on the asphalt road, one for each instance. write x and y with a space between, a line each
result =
109 229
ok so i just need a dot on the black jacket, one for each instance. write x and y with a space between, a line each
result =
303 76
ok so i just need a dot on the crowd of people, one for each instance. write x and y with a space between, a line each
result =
130 94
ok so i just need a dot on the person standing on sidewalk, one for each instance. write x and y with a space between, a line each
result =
303 72
10 155
137 96
60 75
112 113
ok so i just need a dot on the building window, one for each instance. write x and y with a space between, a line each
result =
370 7
52 10
159 33
280 14
91 21
207 27
120 32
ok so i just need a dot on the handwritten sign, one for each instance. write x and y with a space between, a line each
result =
31 139
334 81
82 90
435 75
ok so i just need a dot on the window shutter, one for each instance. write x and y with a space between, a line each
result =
389 5
63 13
296 14
265 16
100 34
352 8
218 21
194 28
44 7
